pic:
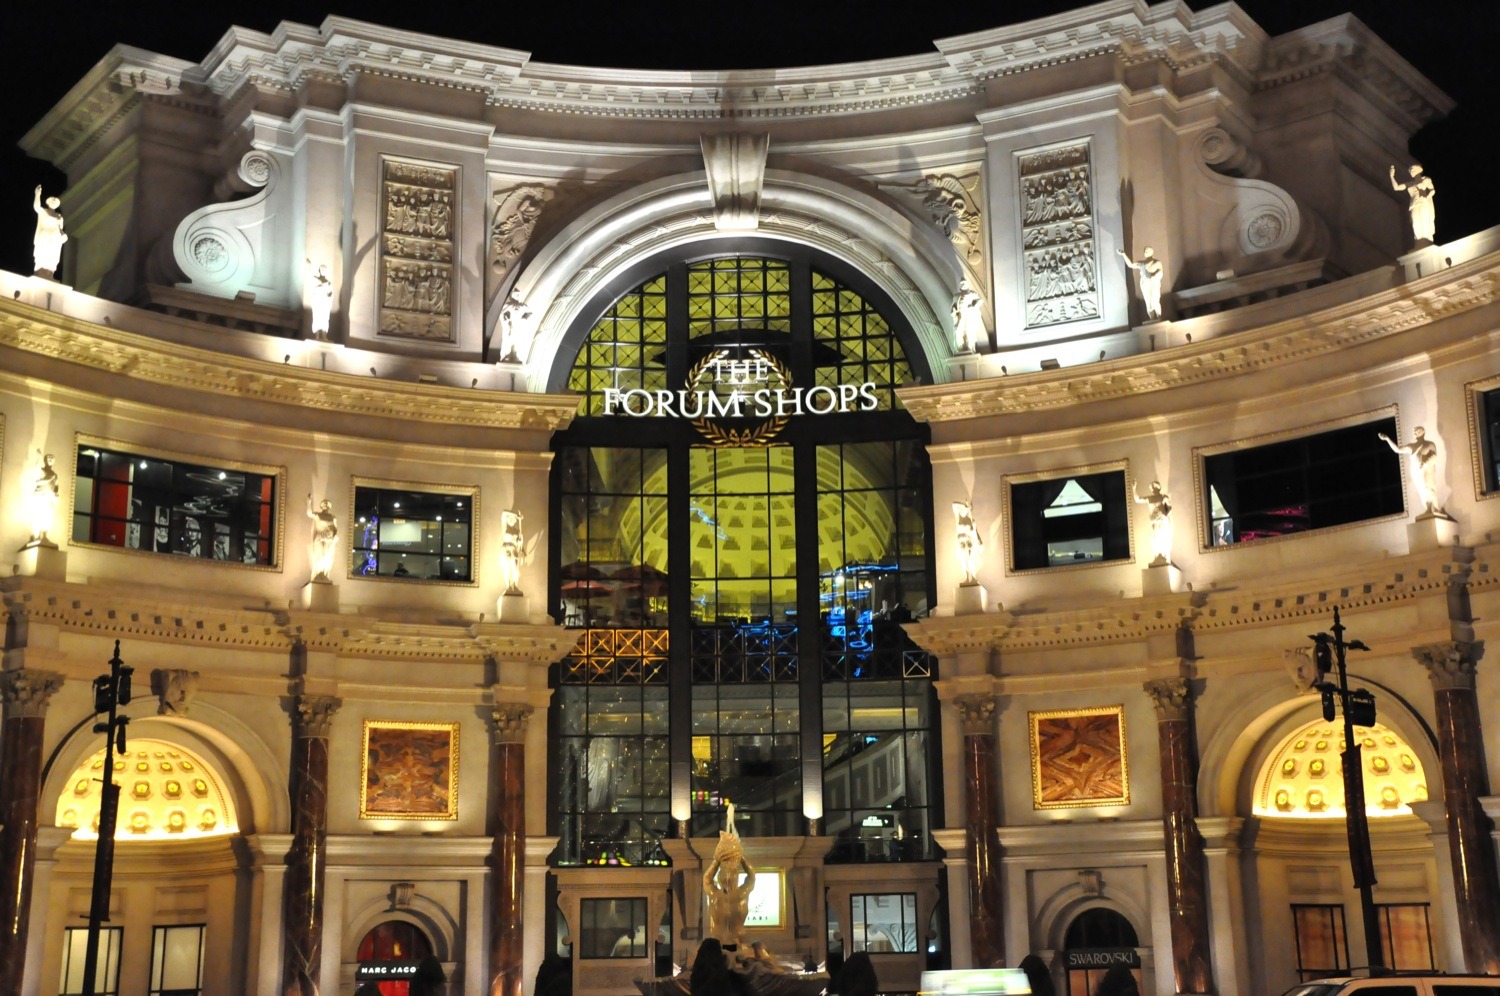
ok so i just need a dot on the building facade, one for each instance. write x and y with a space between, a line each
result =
494 470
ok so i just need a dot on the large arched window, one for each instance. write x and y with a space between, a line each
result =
742 522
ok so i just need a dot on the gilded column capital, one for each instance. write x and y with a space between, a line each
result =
508 721
1170 697
976 713
1450 664
314 717
26 692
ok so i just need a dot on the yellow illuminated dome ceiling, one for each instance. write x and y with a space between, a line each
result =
166 793
1304 775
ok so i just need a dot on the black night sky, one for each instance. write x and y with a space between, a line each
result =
1456 43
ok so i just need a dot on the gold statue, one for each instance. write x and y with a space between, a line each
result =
727 884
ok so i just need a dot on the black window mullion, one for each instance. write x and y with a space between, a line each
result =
809 629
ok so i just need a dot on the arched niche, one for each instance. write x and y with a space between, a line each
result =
436 923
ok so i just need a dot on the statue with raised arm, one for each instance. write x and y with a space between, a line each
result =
1148 270
47 243
1420 193
968 319
1161 523
727 883
515 330
1424 461
968 542
325 538
46 492
320 299
512 550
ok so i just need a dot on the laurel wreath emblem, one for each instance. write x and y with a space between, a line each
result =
720 436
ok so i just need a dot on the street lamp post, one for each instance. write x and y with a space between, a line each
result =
110 692
1358 707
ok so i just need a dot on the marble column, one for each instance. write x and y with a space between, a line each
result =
1186 896
306 861
508 856
25 694
1476 886
982 847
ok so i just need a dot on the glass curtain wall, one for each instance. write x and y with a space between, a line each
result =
741 582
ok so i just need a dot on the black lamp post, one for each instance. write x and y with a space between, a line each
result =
110 692
1358 707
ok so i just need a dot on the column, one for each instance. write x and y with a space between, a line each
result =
1187 898
508 857
1476 887
25 694
302 926
982 847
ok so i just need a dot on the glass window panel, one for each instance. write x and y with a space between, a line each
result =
1405 936
411 535
177 960
75 958
614 928
1322 949
885 923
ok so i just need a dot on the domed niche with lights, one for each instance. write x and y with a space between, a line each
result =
166 793
1303 777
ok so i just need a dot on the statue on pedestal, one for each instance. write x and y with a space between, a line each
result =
320 300
1148 278
968 319
512 551
515 330
727 895
968 542
1420 193
47 243
1424 468
45 495
1161 523
325 537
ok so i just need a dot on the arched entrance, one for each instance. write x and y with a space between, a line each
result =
390 954
1098 940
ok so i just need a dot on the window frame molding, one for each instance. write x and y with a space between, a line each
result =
417 487
1474 392
1201 518
278 521
1008 481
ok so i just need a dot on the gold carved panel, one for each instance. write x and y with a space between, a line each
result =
418 222
1078 758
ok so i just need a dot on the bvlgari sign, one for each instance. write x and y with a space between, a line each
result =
755 385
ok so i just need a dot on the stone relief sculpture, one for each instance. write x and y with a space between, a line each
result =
952 201
324 540
320 299
516 329
1057 234
417 251
1420 193
728 897
967 541
1425 464
512 551
174 689
517 210
1161 523
968 319
47 243
1148 274
45 495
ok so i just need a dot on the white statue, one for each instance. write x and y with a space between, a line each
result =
174 688
1420 191
512 550
1148 277
966 537
1161 523
325 538
1424 468
46 245
320 300
45 494
968 319
727 897
515 331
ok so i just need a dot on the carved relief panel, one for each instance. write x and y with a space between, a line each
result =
953 201
1060 277
417 251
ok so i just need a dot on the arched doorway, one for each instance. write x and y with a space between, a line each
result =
1096 941
396 947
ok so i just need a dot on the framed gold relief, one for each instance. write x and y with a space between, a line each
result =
1078 758
409 772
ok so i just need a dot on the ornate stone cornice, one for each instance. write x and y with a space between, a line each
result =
508 722
152 361
976 714
541 644
1450 664
26 692
1445 294
314 715
1170 697
948 635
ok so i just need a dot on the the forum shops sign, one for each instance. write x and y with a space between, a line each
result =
754 386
